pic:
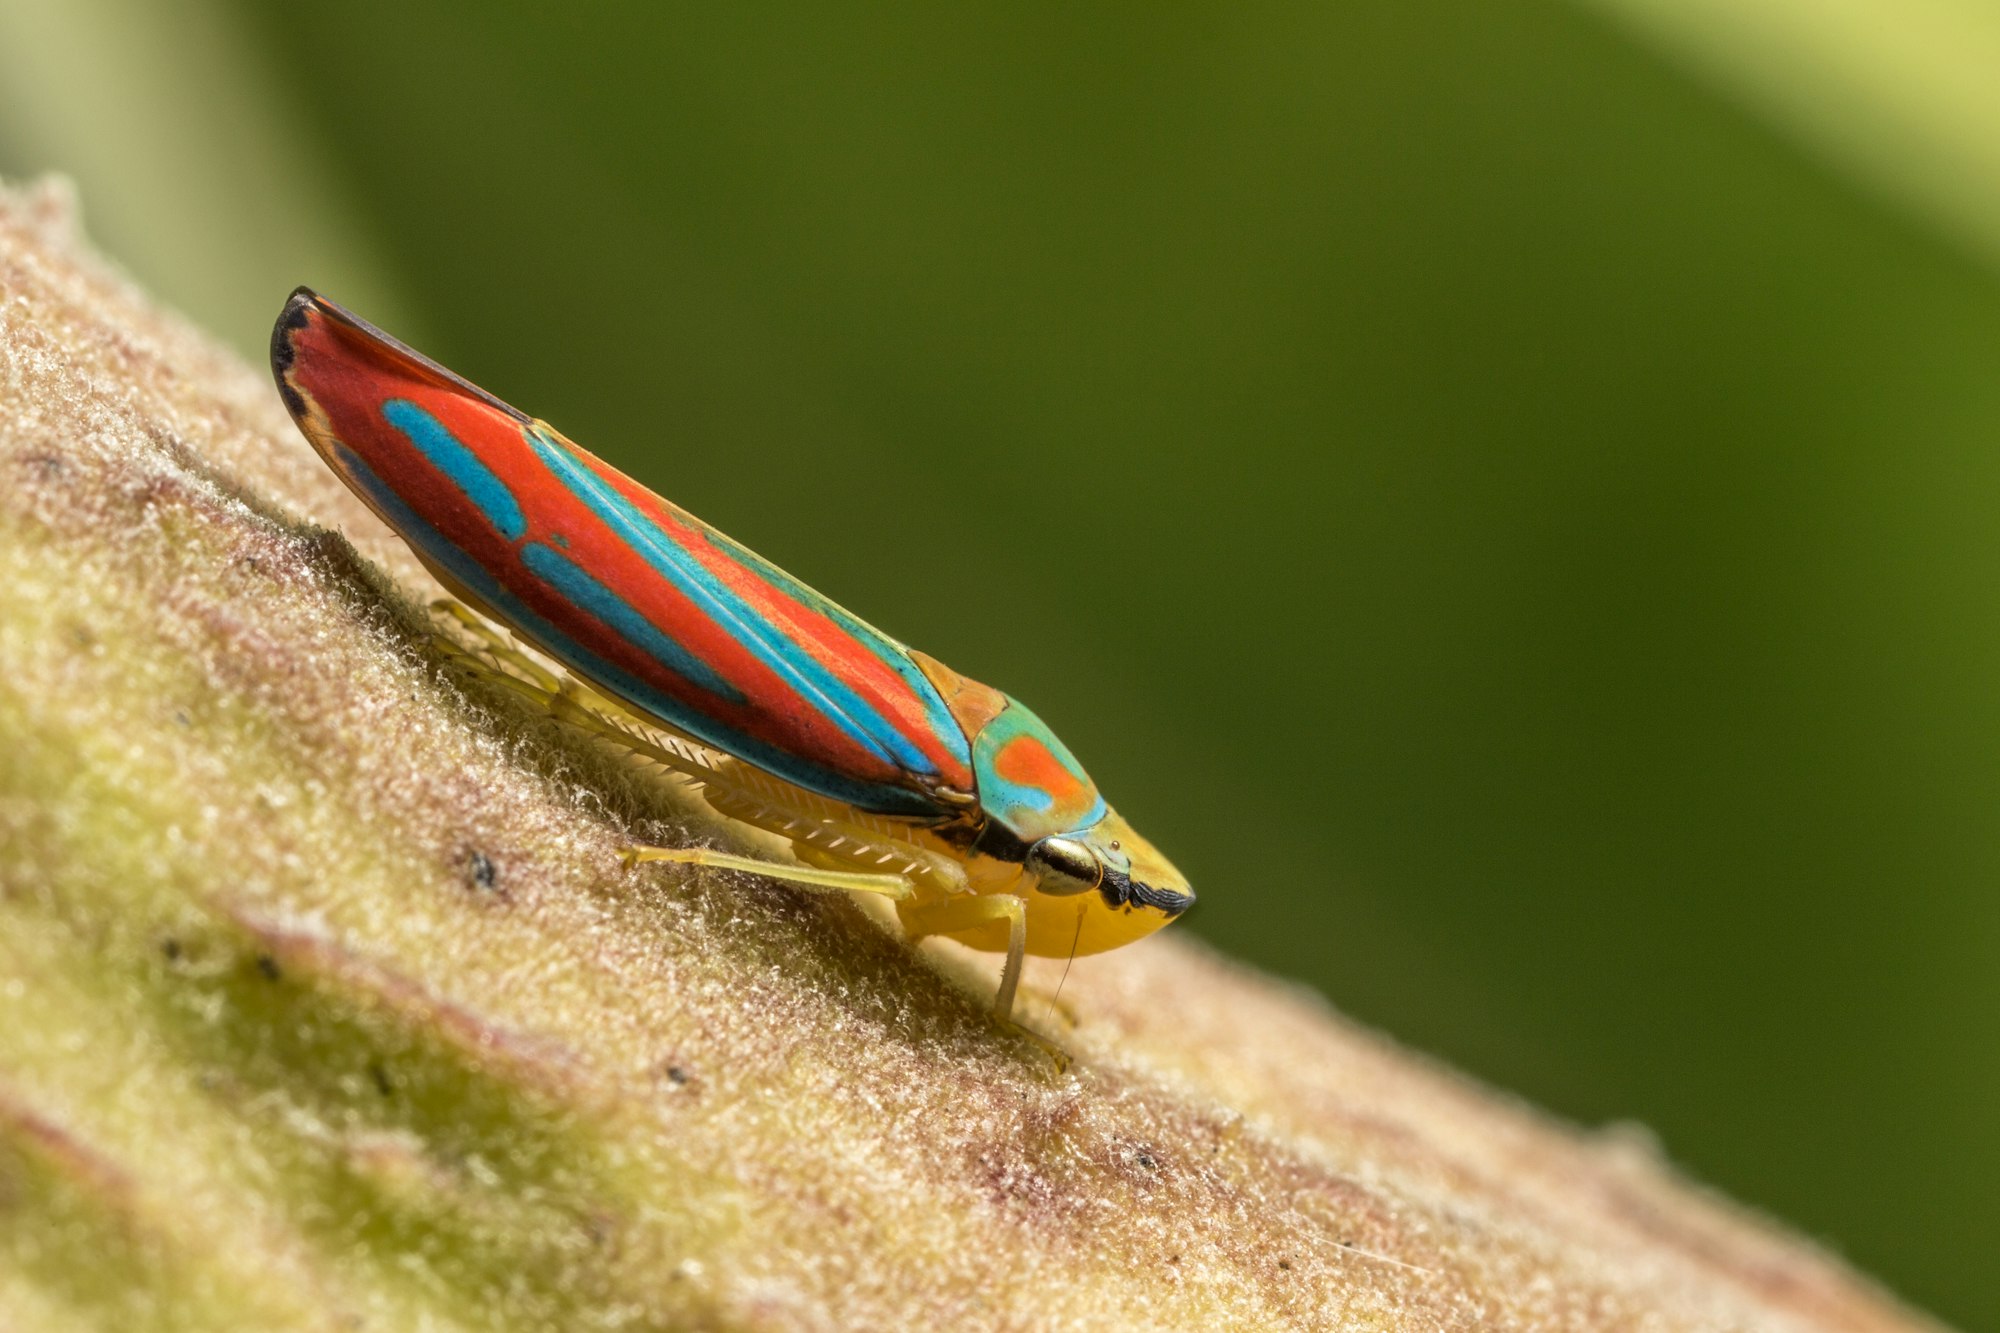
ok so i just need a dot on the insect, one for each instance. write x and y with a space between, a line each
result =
885 771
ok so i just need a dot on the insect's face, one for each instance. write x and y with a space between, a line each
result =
1099 887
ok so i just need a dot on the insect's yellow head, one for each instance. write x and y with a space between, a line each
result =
1099 887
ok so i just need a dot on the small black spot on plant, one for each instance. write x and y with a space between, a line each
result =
267 967
484 873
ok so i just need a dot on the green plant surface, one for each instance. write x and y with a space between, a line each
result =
329 1003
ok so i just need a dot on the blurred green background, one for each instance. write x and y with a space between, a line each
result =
1507 493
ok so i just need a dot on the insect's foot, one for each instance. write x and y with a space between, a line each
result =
635 854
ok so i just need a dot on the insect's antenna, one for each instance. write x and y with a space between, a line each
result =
1078 939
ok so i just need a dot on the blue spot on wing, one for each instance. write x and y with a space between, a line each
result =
450 456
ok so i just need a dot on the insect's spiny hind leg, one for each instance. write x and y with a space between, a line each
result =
811 877
956 914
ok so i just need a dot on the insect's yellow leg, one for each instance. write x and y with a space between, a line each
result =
956 914
811 877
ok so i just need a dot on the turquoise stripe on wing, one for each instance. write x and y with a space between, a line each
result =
835 698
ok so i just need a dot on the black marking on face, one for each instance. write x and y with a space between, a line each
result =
1121 890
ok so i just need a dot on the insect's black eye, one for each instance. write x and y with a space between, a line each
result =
1065 867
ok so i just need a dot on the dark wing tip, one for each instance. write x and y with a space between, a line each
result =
294 317
290 320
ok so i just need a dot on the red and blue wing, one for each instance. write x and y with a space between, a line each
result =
632 593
